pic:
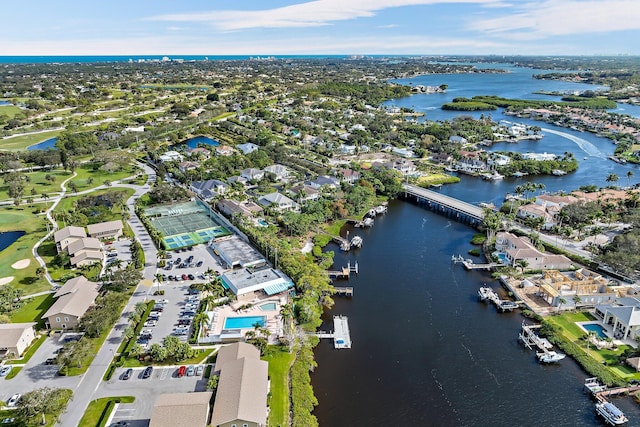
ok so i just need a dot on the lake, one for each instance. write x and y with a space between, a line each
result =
7 238
199 140
49 143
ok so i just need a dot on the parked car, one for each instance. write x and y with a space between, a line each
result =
164 277
112 254
147 372
199 264
191 276
178 260
191 370
150 323
5 370
189 313
7 420
50 361
190 259
181 371
162 301
185 321
199 370
180 331
127 374
185 277
146 332
13 400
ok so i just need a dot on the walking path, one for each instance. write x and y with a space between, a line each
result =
92 379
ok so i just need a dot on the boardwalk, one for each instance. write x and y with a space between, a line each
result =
463 211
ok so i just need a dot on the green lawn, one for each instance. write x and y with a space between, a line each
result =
33 309
280 361
30 351
15 371
9 110
99 176
38 184
201 357
95 409
22 218
22 142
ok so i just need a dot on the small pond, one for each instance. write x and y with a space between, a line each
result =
7 238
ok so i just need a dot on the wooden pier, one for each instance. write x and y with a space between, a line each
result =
346 291
488 294
470 265
602 395
530 339
340 335
344 273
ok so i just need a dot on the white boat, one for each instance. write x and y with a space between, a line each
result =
550 357
519 174
356 242
611 414
593 385
368 222
558 172
381 209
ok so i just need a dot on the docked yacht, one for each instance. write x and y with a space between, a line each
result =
558 172
550 357
611 414
356 242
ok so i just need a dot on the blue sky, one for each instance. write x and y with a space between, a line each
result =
264 27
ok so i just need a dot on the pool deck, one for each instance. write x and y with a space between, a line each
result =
273 320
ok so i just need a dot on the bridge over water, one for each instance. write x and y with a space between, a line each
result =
446 205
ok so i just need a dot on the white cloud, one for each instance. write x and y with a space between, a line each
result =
388 26
312 13
564 17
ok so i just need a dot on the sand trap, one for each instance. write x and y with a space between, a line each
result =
5 280
19 265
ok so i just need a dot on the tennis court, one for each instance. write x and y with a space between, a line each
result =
185 224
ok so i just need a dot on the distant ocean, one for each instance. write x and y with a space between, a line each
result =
136 58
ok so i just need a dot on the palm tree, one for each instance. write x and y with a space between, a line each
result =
612 178
522 264
201 319
629 175
561 301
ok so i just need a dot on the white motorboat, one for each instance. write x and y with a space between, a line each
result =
611 414
550 357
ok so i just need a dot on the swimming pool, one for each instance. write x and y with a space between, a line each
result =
244 322
270 306
594 327
503 258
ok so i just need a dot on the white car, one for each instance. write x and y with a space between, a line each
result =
150 323
13 400
146 332
162 301
4 371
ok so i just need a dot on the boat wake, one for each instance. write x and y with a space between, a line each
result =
584 145
444 395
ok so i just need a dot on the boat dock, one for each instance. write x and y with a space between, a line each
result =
470 265
346 291
602 395
530 339
340 335
345 272
487 294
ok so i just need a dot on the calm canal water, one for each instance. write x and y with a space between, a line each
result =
425 351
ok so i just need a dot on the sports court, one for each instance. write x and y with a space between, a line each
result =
185 224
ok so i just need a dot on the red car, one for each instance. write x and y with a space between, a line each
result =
185 277
181 371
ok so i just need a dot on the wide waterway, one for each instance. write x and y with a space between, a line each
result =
425 351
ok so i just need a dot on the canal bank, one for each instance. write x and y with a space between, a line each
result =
425 351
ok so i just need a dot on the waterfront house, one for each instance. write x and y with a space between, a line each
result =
326 182
15 338
67 235
516 248
181 409
73 301
455 139
279 202
199 152
566 289
539 156
549 200
495 159
106 230
624 318
243 386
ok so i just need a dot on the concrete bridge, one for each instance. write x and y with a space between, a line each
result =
457 209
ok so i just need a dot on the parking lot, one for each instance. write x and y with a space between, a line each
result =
162 380
122 248
176 291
